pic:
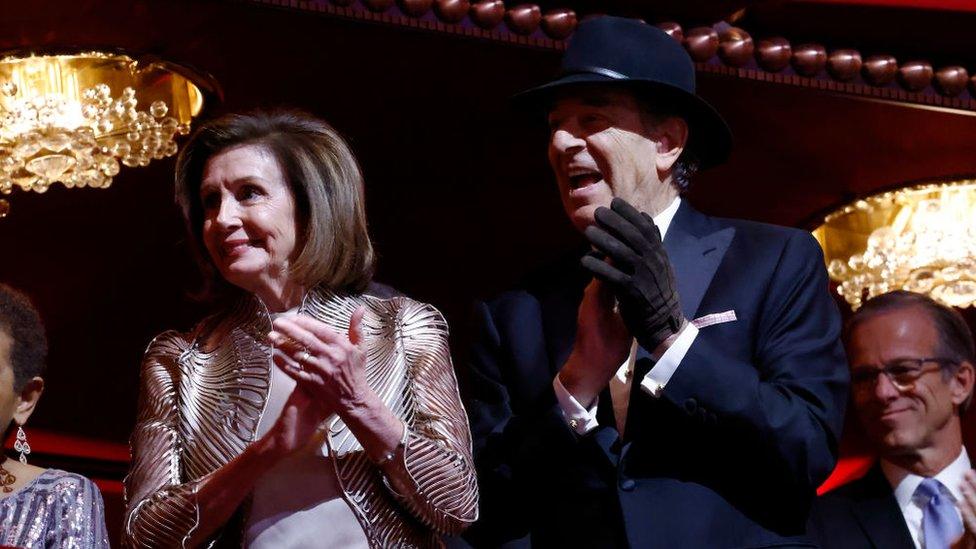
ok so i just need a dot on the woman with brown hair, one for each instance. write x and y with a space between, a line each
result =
304 412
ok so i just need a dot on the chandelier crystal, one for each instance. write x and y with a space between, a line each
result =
73 119
921 239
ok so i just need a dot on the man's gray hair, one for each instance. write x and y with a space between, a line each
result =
684 171
688 164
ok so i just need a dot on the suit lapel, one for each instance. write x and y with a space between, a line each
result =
695 254
879 515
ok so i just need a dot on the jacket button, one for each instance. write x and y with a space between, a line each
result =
691 405
627 484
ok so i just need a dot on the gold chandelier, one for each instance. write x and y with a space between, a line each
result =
920 238
72 119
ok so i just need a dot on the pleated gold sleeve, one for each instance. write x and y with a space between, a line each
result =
166 508
202 396
435 481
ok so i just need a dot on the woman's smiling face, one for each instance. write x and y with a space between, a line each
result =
249 221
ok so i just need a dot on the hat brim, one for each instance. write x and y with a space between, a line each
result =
709 139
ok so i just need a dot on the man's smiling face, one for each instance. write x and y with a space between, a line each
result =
600 147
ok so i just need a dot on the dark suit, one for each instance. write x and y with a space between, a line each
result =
731 453
860 515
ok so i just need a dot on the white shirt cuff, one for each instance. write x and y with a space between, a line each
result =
655 380
579 418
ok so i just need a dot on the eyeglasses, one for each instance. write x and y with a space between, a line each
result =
902 372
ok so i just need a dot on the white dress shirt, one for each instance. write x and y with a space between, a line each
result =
583 420
904 483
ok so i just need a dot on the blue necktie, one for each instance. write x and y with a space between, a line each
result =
940 523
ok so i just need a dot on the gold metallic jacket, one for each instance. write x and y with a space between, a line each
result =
202 395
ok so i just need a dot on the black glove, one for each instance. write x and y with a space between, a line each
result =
640 273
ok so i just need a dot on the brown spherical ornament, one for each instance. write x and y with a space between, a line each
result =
524 19
378 6
415 8
880 70
702 43
451 11
735 46
809 59
673 30
559 24
915 75
774 54
951 81
488 14
844 65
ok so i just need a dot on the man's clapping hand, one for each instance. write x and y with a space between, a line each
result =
639 272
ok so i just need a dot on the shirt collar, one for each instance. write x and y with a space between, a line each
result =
663 219
904 483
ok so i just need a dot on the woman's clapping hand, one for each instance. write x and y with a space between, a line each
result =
296 426
329 366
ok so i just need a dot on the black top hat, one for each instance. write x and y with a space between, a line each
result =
615 50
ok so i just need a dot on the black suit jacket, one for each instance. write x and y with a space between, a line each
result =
728 456
860 515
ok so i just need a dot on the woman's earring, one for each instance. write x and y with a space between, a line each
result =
21 445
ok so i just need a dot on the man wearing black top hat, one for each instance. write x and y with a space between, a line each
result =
684 393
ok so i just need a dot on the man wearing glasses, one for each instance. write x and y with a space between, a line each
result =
911 378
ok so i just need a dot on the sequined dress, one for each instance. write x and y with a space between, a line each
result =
57 510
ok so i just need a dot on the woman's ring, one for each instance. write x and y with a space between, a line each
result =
303 357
